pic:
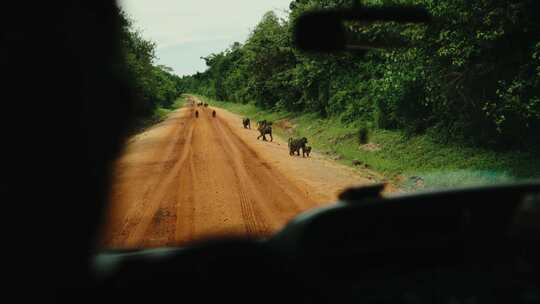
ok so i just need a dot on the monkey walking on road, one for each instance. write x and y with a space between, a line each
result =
265 128
307 150
196 114
214 113
296 144
247 123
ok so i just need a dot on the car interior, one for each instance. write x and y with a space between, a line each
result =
464 245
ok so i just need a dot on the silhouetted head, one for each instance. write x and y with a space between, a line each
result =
66 104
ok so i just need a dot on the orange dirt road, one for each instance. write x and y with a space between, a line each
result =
188 178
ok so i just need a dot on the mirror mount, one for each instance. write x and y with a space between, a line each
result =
324 31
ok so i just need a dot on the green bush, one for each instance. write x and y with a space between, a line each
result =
471 76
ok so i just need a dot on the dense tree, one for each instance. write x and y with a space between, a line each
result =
473 74
154 85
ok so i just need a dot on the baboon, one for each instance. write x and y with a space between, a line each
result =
265 128
363 135
296 144
214 113
263 122
307 150
206 105
197 114
247 123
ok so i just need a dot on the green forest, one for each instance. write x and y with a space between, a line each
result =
470 77
156 87
463 97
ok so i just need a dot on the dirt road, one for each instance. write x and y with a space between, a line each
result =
190 178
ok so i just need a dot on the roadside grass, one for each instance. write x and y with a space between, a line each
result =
402 160
159 115
179 102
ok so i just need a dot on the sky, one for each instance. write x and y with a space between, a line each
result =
185 30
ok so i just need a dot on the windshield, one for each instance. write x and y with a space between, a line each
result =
237 131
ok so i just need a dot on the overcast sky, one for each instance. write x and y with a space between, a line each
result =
185 30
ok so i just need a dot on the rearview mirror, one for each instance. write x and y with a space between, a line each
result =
325 30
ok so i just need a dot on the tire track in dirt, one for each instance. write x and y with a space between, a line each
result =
136 219
138 202
259 181
162 186
190 178
273 178
253 219
162 227
184 229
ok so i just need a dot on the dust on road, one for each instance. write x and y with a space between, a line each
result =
191 178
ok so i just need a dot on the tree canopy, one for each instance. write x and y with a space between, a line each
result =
154 85
471 75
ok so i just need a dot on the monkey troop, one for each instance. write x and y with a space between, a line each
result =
265 128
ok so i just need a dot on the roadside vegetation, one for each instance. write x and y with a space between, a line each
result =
410 162
156 87
158 114
464 100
